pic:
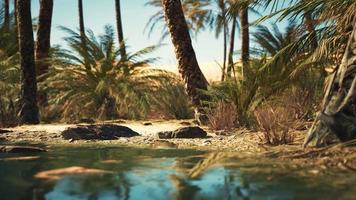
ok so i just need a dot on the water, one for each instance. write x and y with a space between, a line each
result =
168 174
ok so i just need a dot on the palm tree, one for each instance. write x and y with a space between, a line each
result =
43 43
6 14
245 38
219 22
29 110
81 22
337 17
196 14
106 91
230 63
187 62
119 29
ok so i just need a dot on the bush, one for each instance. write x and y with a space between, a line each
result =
275 124
223 116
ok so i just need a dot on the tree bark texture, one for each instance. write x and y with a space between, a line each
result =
29 111
187 62
120 32
245 39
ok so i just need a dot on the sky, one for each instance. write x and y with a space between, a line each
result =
135 15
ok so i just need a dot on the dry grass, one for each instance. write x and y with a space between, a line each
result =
275 124
222 117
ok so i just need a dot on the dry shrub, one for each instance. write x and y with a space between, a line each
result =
301 101
223 116
275 124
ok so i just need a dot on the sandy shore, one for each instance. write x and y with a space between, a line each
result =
239 140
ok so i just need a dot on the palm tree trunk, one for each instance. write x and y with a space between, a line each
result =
232 44
81 21
309 24
187 62
82 35
120 30
223 12
338 115
43 43
6 15
308 20
29 110
245 39
15 13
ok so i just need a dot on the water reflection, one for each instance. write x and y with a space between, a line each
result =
166 174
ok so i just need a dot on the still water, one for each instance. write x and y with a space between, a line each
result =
167 174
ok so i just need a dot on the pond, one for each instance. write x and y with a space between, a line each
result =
136 173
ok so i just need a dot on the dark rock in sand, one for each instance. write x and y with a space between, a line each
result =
5 131
185 132
98 132
147 124
21 149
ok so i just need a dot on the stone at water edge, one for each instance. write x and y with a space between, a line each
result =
98 132
5 131
21 149
185 132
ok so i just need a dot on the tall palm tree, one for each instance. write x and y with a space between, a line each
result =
230 63
15 13
187 62
43 42
6 14
119 29
81 22
29 110
245 38
220 23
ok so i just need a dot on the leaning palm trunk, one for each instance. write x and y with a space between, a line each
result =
187 62
29 110
43 42
338 116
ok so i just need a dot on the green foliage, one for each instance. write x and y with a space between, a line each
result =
97 83
196 14
9 72
173 100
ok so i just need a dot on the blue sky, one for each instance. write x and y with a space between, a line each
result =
135 14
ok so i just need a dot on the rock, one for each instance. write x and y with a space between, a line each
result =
98 132
5 131
147 124
165 134
185 132
21 149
